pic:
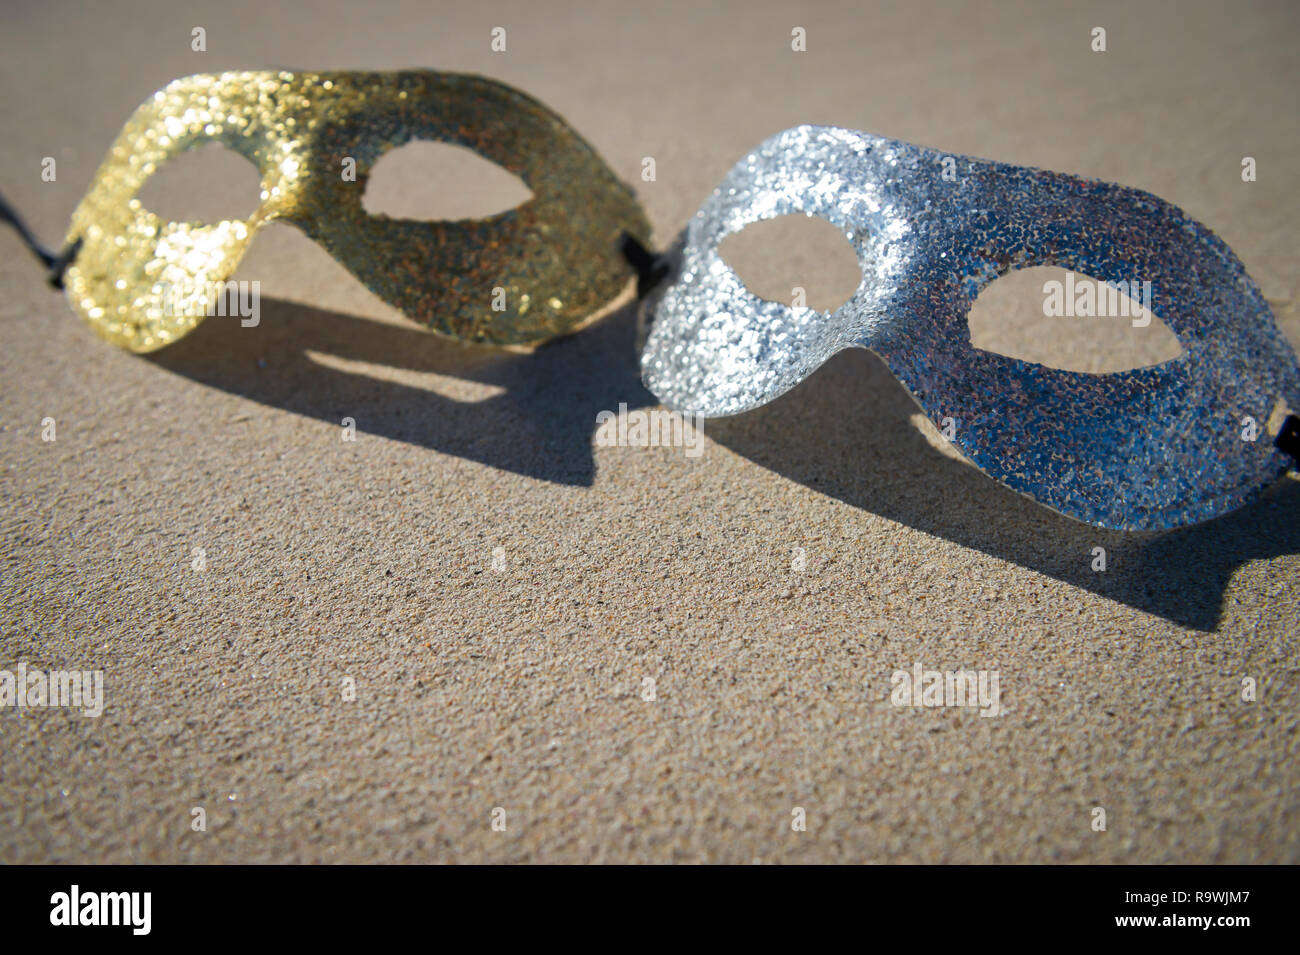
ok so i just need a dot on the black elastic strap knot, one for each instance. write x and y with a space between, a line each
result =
1288 439
650 268
56 263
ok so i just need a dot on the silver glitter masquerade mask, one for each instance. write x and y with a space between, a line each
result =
1151 448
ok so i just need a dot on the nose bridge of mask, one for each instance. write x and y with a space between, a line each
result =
521 276
1150 448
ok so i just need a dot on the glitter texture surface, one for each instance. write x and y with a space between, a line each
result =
143 282
1150 449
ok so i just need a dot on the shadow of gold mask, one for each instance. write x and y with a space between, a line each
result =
522 276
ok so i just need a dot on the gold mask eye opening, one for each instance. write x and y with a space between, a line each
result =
437 181
205 184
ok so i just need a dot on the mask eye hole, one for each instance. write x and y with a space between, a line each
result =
207 184
797 260
1070 321
440 181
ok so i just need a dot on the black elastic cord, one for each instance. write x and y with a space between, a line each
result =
56 263
650 268
1288 439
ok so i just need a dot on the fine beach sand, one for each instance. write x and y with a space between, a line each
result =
522 687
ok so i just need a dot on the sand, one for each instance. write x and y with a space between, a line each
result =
498 587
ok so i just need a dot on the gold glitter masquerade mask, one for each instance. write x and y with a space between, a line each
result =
522 276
